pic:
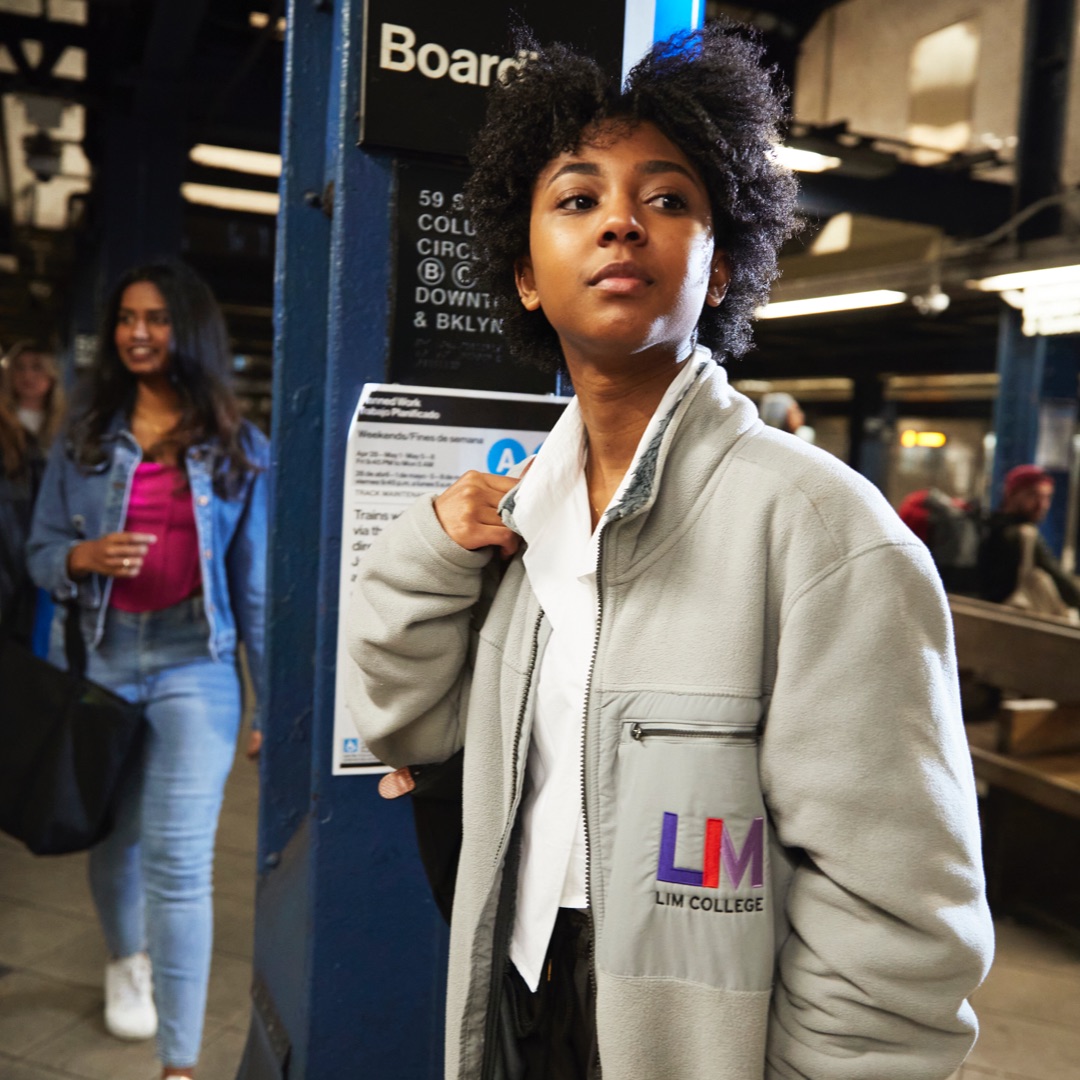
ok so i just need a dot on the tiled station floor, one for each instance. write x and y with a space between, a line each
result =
51 961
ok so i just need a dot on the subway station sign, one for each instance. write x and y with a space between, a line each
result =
427 70
443 331
427 66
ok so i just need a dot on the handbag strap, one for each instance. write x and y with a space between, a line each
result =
74 646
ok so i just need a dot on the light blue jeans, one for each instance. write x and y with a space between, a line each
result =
151 878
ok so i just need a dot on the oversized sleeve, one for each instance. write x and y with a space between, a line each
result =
408 637
869 780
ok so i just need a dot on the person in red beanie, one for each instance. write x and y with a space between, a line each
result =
1029 492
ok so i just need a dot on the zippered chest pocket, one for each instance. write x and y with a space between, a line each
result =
688 869
644 730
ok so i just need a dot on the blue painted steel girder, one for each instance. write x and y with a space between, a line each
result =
1044 104
338 992
1033 371
1037 370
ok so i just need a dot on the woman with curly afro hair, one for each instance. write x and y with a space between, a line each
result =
719 817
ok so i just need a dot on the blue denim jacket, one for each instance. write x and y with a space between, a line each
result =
75 504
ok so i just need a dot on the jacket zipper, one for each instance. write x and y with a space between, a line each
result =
584 746
639 734
503 921
519 724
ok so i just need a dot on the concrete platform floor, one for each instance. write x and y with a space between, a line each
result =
51 962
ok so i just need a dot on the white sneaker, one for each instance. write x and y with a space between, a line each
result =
129 998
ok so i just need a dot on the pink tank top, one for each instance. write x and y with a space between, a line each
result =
161 504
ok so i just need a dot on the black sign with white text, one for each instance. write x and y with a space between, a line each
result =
427 66
444 331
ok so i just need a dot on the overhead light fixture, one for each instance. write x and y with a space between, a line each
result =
929 440
804 160
932 302
818 305
227 198
1049 297
1025 279
258 20
253 162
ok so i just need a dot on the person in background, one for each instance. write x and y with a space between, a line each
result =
20 473
31 388
719 813
1028 495
782 411
32 392
952 529
152 515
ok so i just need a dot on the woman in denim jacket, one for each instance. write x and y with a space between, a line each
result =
152 515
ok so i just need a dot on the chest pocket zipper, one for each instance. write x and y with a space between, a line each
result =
639 733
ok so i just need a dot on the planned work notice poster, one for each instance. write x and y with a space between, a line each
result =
404 441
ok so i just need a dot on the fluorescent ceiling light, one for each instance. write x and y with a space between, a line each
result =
803 160
1024 279
254 162
817 305
259 19
226 198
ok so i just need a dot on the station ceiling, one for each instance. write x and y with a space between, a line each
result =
219 61
222 61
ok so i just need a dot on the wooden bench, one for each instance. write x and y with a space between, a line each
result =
1031 844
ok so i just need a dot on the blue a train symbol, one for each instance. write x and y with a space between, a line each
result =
504 455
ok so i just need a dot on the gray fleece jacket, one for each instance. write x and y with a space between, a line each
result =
783 847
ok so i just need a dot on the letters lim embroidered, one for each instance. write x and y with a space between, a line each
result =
721 859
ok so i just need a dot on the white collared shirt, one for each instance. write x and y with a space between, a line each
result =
551 511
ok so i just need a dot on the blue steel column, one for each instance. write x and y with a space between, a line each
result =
1016 409
337 991
389 981
278 1041
1033 370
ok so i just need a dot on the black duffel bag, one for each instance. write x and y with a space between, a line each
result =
66 746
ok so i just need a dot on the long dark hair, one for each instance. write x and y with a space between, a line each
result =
200 371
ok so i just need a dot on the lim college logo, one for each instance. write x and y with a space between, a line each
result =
722 863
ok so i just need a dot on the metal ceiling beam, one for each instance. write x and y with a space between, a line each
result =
54 38
955 202
1044 105
52 35
48 86
230 178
